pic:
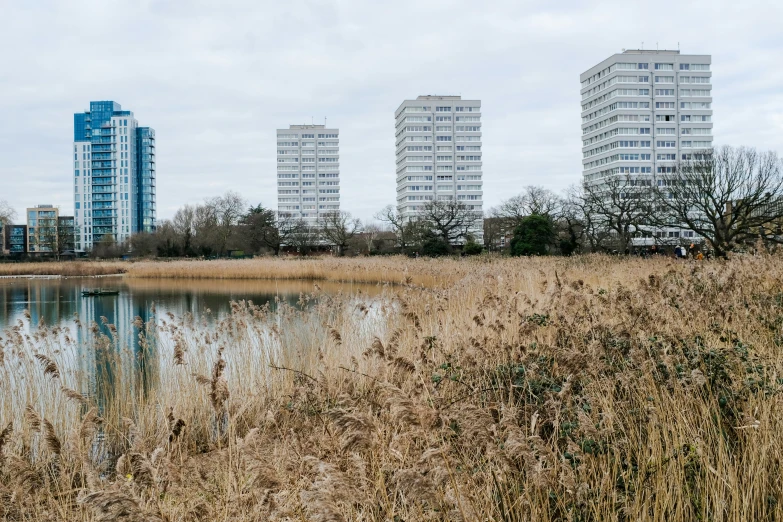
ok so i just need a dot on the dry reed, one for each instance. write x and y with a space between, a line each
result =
395 270
580 389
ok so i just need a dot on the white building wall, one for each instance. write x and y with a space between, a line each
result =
308 171
439 153
82 188
642 112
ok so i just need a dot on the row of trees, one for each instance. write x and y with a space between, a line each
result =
724 198
226 224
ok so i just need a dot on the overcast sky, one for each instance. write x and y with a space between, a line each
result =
215 79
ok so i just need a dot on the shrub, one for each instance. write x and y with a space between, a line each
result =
532 236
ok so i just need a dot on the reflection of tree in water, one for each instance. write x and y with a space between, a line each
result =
49 300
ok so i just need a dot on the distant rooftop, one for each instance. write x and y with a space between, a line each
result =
292 127
650 51
438 97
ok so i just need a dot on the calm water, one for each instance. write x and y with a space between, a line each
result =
58 302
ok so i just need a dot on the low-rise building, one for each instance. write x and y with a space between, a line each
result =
42 229
14 239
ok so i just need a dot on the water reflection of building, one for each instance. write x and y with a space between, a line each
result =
117 362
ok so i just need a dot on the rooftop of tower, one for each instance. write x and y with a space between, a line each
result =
651 51
438 97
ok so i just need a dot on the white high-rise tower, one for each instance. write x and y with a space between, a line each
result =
642 112
308 171
438 144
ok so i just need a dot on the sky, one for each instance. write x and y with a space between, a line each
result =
216 79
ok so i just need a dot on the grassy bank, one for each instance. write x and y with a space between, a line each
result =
538 389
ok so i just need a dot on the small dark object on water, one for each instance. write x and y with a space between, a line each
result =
99 292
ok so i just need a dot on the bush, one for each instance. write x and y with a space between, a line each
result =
532 236
434 247
472 248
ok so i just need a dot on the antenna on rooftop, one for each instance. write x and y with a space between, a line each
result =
656 46
642 47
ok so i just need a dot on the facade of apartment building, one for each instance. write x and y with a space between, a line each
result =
14 239
42 229
46 232
439 154
642 112
308 172
114 172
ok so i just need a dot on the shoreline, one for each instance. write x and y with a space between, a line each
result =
57 276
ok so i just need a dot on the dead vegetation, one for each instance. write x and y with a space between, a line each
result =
578 389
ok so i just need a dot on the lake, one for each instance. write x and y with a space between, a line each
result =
58 301
98 342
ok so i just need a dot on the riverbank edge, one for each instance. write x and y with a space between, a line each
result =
58 276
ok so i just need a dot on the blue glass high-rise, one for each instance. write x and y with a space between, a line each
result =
114 175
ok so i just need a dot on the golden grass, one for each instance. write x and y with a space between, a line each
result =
428 272
67 269
580 389
246 286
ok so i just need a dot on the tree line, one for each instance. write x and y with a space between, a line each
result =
226 225
722 199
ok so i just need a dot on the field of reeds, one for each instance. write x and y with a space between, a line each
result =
427 272
579 389
65 269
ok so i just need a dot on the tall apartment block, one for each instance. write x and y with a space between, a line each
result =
308 171
114 175
642 111
438 143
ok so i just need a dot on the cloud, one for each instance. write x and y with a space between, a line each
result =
215 79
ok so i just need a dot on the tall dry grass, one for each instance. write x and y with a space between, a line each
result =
538 389
63 268
428 272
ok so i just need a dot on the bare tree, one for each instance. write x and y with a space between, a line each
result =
297 233
205 223
727 196
183 224
44 240
228 210
618 207
338 228
65 240
7 214
449 220
573 225
495 226
397 224
532 200
370 234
